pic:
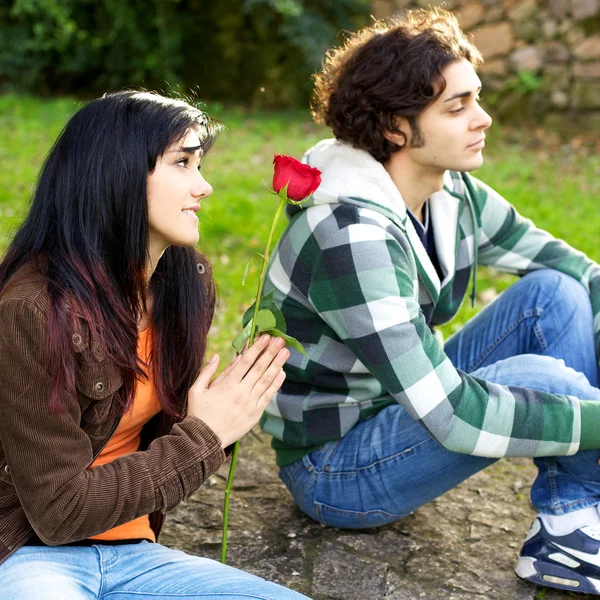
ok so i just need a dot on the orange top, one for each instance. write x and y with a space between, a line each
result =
126 439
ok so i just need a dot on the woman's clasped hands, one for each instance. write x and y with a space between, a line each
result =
233 402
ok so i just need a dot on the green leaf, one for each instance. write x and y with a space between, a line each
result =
265 319
240 340
289 340
279 318
267 303
245 275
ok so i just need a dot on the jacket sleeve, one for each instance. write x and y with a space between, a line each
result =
364 287
511 243
48 453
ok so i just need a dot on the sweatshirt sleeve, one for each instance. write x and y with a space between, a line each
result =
364 287
48 453
511 243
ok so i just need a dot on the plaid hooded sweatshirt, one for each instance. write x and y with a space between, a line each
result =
358 290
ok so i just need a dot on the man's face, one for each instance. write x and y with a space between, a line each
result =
453 126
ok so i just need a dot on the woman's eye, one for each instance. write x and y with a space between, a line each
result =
457 110
185 162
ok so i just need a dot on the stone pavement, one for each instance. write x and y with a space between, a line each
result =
462 546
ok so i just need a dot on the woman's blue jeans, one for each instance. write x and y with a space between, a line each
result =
538 334
141 571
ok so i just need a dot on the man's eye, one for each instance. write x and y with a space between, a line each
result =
183 161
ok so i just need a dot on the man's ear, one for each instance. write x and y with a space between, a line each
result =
400 139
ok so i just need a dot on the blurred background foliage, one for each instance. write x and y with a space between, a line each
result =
257 52
244 59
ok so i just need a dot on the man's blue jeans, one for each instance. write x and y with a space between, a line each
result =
537 334
141 571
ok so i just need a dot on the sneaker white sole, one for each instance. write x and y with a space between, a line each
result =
555 576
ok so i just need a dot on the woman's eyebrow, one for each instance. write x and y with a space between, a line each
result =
188 149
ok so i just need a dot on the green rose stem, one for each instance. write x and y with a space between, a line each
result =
236 447
261 280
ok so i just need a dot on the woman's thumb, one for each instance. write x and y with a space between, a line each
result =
207 372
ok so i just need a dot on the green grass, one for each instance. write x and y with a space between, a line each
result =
554 183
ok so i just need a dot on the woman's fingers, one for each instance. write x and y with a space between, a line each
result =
270 374
225 372
249 357
271 390
250 366
269 355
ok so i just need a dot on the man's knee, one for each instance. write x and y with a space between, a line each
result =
562 288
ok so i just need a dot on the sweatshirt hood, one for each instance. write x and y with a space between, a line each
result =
353 176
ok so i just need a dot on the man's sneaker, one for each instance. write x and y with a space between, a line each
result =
567 562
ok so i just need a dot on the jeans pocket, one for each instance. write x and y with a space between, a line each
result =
332 516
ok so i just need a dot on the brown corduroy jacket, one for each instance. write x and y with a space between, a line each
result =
45 485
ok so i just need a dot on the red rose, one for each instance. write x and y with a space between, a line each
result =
303 180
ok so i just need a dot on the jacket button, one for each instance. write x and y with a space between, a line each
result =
99 387
7 469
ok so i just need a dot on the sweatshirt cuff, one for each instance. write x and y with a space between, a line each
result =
590 425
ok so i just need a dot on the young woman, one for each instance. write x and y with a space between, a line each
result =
107 420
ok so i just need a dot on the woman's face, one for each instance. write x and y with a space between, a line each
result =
175 191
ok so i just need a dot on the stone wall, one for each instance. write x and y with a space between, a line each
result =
541 56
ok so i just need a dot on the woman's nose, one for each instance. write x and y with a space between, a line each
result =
201 188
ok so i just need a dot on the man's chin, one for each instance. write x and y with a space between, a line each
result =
469 165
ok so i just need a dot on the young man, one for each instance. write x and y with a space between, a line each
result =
380 417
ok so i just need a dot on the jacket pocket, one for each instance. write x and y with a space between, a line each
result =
96 384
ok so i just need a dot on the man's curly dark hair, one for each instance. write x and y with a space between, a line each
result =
390 69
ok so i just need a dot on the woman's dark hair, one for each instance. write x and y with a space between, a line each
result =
87 233
391 69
